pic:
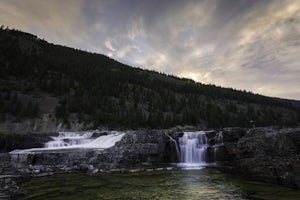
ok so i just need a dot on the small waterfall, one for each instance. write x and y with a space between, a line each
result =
77 140
69 139
196 150
193 147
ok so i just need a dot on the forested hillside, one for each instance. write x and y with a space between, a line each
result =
94 89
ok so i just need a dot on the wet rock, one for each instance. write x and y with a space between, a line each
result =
139 147
233 134
267 154
221 153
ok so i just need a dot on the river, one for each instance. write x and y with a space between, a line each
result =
206 183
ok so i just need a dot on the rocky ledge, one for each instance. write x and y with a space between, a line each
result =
137 149
265 154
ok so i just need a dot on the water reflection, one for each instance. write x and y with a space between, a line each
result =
208 184
175 184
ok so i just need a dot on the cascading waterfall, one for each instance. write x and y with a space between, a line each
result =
75 140
193 147
65 139
196 151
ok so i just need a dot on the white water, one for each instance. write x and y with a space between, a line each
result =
69 139
74 140
192 150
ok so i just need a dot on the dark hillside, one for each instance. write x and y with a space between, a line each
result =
295 103
94 89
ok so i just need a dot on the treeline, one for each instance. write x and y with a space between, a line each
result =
101 91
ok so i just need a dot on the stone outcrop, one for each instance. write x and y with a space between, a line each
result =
265 154
219 141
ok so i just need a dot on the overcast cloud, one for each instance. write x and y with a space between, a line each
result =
244 44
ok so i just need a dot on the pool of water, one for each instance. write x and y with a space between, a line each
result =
198 184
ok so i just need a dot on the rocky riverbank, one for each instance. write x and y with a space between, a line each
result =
137 149
265 154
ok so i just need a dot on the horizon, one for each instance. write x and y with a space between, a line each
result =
246 45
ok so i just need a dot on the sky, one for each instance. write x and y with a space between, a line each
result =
251 45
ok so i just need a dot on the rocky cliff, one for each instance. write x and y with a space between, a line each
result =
265 154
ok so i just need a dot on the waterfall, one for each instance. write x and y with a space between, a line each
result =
77 140
193 147
65 139
196 150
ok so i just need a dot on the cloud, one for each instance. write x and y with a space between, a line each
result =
252 45
261 57
109 46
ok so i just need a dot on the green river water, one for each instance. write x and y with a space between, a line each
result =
206 183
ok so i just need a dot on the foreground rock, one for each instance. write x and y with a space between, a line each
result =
264 154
